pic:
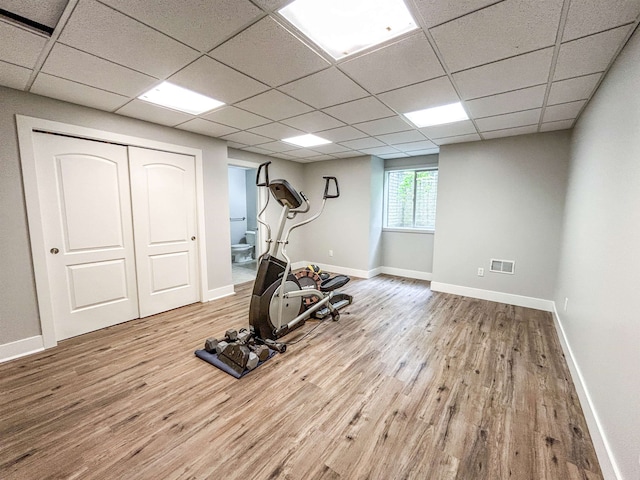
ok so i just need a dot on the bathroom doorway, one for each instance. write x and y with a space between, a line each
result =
243 208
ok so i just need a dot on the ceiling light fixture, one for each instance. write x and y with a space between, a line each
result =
306 140
428 117
344 27
178 98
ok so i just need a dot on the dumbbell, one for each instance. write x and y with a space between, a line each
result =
210 345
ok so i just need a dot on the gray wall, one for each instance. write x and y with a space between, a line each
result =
600 263
501 199
18 308
376 205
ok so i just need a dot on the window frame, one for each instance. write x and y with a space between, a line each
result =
415 169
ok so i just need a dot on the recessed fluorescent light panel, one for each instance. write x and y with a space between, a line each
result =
178 98
306 140
344 27
438 115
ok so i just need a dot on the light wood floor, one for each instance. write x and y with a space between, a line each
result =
408 385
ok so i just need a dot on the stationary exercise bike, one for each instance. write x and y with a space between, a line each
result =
277 302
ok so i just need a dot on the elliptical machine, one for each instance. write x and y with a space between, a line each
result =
277 305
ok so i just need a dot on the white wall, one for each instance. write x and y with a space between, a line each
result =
501 199
600 263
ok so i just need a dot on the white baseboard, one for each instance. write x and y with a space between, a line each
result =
401 272
608 465
221 292
508 298
20 348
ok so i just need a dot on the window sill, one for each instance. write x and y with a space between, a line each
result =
408 230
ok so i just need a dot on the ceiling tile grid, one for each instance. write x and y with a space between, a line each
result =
517 66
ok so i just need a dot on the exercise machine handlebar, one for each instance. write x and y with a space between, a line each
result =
264 165
327 181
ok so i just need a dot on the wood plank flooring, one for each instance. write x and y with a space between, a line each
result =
409 384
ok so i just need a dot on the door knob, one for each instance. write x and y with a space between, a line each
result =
54 250
193 238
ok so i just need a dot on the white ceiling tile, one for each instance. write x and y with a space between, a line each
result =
274 105
588 55
313 122
278 147
259 150
235 117
435 12
563 111
330 148
205 127
272 4
351 154
325 88
19 46
431 93
72 92
502 30
379 150
277 131
361 110
14 76
384 125
67 62
401 137
510 132
247 138
153 113
517 119
394 155
361 143
341 134
560 125
270 53
212 78
282 155
97 29
578 88
512 74
237 145
199 24
514 101
427 151
450 129
473 137
319 158
44 12
591 16
302 153
415 146
406 62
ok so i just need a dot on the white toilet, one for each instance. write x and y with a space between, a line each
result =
244 252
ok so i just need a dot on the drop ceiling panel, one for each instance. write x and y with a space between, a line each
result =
44 12
450 129
212 78
101 31
342 134
561 125
591 16
415 146
360 110
81 67
514 101
272 4
435 12
589 54
313 122
72 92
199 24
401 137
578 88
503 30
325 88
153 113
13 76
278 146
330 148
247 138
302 153
386 150
235 117
274 105
276 131
528 117
270 53
512 74
510 132
473 137
408 61
19 46
427 94
563 111
205 127
384 125
363 143
394 155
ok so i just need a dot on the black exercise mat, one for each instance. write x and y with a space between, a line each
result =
213 359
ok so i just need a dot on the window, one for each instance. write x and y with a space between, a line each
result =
410 199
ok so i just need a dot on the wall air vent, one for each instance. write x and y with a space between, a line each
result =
503 266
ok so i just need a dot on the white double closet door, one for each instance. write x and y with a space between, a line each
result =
119 227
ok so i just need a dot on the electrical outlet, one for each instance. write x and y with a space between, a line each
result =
331 253
566 303
481 272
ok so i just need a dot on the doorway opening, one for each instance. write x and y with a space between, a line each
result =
243 209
